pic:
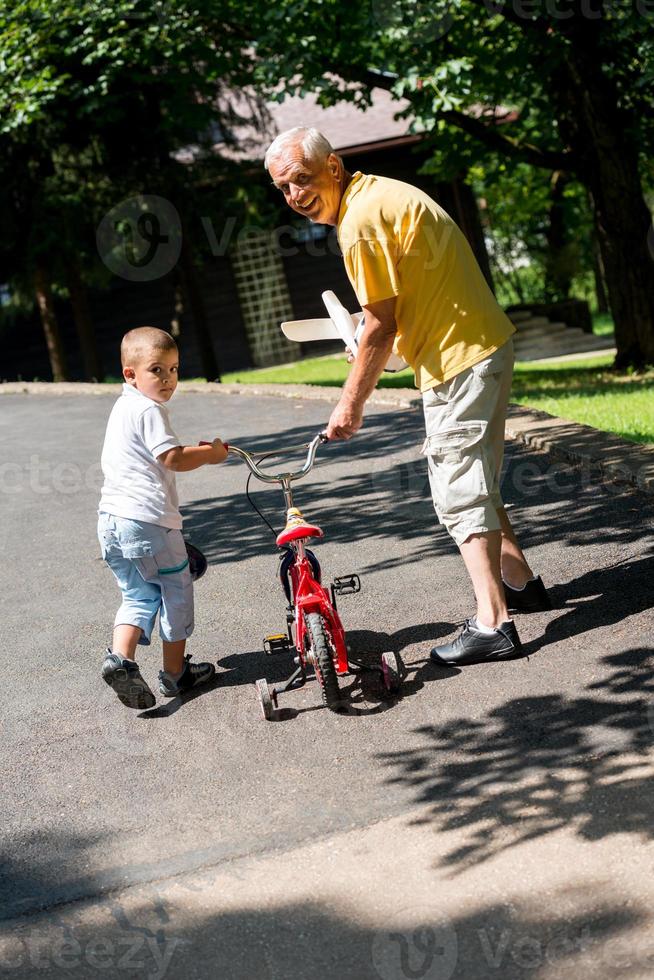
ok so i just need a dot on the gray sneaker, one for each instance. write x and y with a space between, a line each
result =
125 678
191 676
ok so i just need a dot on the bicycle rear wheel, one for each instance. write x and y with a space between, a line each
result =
323 660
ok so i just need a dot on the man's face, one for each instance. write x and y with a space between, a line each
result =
154 374
312 189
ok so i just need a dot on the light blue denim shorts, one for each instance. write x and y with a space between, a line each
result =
151 567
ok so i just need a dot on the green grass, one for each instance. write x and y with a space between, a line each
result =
591 393
585 391
602 324
331 370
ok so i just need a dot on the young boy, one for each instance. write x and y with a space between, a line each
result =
139 524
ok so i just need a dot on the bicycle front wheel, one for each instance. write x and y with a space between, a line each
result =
323 660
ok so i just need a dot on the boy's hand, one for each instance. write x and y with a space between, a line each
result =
219 454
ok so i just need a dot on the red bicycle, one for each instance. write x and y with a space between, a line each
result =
314 628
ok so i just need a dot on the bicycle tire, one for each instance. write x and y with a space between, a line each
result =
323 661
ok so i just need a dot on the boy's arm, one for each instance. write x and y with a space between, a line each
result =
181 459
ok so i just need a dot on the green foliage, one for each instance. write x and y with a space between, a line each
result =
515 202
494 89
97 100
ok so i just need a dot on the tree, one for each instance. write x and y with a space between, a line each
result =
97 101
539 228
561 86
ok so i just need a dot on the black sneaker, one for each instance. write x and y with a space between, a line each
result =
125 678
532 598
191 676
472 646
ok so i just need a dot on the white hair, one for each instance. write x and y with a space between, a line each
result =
315 146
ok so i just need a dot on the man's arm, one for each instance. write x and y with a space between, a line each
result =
374 350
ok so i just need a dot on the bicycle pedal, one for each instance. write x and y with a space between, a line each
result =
347 585
276 643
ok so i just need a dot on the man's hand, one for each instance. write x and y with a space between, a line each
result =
344 422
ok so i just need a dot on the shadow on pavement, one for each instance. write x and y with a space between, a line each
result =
388 501
363 693
305 939
538 764
171 705
601 598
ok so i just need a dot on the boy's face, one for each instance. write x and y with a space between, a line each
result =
154 374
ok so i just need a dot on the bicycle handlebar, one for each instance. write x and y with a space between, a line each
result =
281 477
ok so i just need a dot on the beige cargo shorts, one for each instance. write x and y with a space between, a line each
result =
464 424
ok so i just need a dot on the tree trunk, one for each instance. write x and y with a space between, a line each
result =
45 304
195 302
558 278
600 132
467 216
600 279
622 222
87 340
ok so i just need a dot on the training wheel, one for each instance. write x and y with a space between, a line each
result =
392 671
265 698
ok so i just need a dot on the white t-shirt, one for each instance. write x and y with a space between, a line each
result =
136 486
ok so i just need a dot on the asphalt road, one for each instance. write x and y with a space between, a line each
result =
97 797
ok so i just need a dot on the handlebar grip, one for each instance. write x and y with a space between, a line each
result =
203 442
323 436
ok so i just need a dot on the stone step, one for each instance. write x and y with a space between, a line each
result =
545 335
568 336
538 337
537 351
532 321
550 330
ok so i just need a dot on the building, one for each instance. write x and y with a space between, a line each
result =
259 278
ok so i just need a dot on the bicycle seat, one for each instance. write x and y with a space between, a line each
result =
297 527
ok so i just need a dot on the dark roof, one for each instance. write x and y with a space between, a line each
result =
347 127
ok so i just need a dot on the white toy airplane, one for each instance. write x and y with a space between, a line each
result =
339 323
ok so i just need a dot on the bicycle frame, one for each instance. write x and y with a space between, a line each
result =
320 643
307 594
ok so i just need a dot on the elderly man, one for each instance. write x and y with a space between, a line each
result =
423 296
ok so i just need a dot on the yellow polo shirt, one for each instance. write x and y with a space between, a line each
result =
396 241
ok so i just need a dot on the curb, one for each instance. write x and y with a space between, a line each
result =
616 459
401 397
581 445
